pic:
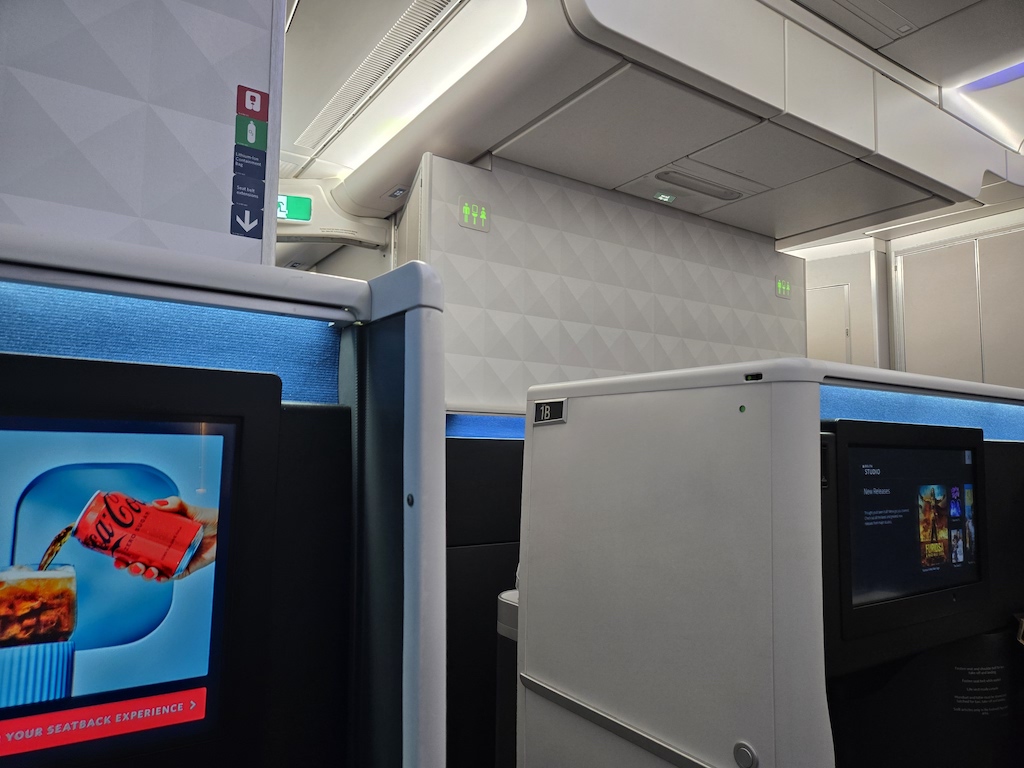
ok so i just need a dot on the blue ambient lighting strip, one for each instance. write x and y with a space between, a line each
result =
62 322
1000 421
487 427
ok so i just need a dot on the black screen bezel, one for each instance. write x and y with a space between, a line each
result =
874 618
34 386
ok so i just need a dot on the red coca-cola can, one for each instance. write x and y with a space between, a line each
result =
125 528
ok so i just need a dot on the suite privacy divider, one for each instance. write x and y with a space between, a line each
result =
368 355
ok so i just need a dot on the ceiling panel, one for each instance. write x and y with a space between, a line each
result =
984 38
878 22
925 12
881 15
687 197
848 21
771 155
848 192
624 127
326 42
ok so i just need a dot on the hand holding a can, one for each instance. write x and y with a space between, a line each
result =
206 552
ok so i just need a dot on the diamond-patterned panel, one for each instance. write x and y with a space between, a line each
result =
577 282
126 108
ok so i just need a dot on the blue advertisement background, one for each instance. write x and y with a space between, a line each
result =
111 610
133 632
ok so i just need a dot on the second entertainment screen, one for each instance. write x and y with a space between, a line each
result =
912 521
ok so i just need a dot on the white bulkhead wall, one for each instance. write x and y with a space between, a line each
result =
120 124
569 281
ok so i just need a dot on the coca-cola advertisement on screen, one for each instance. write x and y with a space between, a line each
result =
108 554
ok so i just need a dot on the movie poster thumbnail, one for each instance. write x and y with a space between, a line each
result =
957 547
970 544
933 517
955 505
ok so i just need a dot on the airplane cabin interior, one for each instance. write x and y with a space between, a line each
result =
513 383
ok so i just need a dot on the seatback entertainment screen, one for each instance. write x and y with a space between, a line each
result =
108 566
912 521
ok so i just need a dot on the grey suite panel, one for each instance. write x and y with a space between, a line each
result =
649 640
649 120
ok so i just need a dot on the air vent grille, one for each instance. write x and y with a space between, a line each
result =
703 186
418 21
288 170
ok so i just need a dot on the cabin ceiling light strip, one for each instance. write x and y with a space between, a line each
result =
693 184
992 105
413 28
458 45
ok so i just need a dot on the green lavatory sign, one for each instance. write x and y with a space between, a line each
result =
474 214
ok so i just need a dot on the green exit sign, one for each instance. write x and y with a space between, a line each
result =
294 208
783 288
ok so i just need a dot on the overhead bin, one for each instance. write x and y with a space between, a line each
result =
542 63
732 49
733 110
830 97
952 161
829 94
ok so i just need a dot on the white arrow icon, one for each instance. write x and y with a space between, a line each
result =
193 705
246 225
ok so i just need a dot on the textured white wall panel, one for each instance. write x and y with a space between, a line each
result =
573 282
118 118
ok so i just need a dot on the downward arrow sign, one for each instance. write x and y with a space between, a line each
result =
247 225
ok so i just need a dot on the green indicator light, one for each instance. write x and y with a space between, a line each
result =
294 208
743 409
